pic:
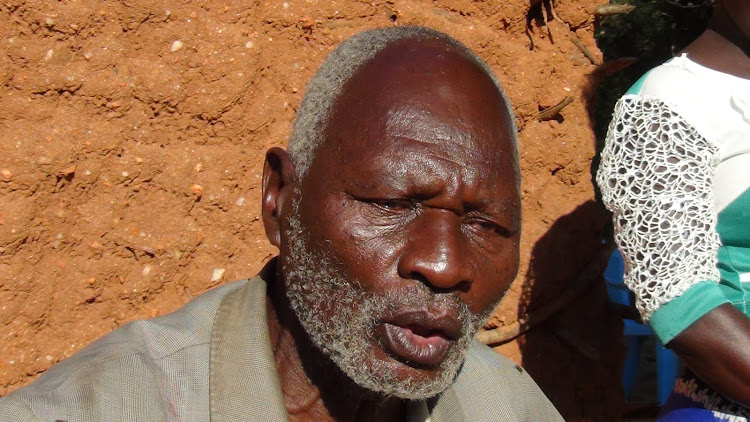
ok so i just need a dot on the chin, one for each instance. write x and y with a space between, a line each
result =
383 374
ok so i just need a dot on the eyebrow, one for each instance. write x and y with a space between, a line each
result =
429 186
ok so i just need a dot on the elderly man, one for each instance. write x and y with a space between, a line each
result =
397 216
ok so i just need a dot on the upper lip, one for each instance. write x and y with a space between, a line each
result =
424 322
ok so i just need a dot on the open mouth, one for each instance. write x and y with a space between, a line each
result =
419 338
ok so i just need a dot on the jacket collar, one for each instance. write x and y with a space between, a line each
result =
242 374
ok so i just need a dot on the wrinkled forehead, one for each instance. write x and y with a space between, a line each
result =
424 90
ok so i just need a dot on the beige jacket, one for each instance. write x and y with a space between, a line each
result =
211 360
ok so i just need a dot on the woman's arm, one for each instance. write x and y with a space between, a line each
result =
657 178
717 349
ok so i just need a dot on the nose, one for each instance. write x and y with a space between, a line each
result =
436 252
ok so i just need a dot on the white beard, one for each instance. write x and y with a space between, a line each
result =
340 317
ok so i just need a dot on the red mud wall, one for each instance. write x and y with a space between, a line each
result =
132 136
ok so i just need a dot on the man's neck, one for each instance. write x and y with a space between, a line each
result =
314 388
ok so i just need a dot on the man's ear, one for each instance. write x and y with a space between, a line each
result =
278 183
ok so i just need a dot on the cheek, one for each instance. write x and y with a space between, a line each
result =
494 276
364 246
373 248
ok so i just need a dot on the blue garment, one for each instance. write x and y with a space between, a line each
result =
692 400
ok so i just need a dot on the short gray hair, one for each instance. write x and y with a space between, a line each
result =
325 86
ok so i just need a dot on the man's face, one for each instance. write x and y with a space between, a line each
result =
404 233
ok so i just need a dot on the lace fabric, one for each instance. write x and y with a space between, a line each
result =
656 177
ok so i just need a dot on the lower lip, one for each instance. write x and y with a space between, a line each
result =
405 344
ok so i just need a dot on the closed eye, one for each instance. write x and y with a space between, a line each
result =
489 227
393 204
386 204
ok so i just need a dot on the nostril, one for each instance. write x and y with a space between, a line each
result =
440 286
462 286
414 275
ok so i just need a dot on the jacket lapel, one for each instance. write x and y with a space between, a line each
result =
243 382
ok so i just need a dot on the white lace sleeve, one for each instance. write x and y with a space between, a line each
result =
656 176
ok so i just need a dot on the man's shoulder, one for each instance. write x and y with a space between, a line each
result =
144 361
492 387
489 367
148 340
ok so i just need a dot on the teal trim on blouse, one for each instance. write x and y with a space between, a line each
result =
675 316
733 228
636 88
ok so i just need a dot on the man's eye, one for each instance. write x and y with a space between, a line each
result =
394 204
486 226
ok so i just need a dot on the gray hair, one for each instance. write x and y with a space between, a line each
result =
325 86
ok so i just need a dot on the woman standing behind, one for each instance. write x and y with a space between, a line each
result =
675 172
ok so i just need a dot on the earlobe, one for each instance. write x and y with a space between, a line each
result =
278 180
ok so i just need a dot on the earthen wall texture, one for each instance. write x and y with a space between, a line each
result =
132 138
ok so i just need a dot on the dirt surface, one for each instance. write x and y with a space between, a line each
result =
132 137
